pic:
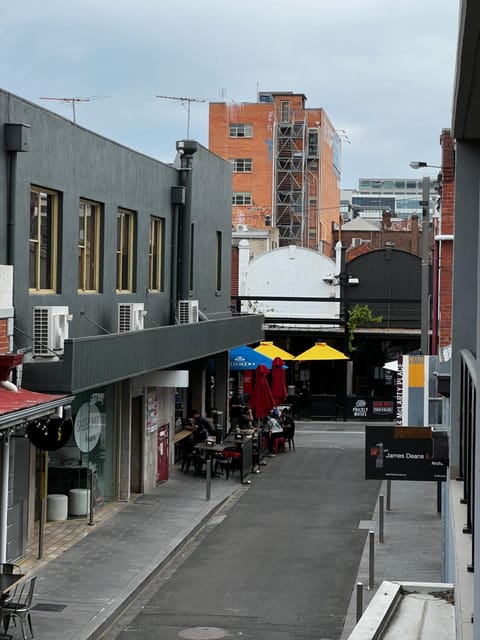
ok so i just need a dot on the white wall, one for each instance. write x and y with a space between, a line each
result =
291 272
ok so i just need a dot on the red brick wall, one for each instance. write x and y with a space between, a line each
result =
446 227
4 340
323 182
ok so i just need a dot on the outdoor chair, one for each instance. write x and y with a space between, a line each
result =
19 607
8 569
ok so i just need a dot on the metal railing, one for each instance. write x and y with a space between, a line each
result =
468 393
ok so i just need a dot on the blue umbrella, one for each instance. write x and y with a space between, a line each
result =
247 359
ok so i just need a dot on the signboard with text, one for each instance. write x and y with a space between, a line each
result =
368 408
405 453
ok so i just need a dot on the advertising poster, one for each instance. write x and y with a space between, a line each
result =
405 453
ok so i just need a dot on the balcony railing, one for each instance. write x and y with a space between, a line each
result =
468 394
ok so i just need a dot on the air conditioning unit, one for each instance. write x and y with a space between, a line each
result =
131 316
242 227
50 330
187 311
356 242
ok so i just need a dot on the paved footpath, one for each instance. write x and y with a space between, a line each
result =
411 550
78 593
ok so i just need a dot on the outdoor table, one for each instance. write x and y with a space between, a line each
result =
8 581
245 447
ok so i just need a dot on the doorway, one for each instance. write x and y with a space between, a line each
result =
136 445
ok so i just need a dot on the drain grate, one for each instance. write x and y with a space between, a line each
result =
45 606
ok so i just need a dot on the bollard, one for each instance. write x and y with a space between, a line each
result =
380 520
209 478
371 560
91 483
389 493
40 528
359 612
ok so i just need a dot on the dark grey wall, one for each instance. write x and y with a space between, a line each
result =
392 275
80 164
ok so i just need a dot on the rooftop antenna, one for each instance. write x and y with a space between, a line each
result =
343 135
184 101
73 101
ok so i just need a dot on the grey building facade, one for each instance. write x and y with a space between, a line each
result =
121 292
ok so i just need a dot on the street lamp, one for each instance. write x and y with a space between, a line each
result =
425 204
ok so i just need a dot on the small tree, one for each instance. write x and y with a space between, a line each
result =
359 315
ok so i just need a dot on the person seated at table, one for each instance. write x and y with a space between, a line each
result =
274 429
202 428
245 422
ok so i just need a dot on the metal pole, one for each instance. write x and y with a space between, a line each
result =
209 478
40 528
389 493
439 496
425 266
371 559
359 611
380 520
92 484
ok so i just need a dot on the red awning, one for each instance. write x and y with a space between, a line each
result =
23 405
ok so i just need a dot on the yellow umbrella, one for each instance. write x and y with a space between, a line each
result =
321 351
272 351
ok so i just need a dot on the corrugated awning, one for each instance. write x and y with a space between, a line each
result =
23 405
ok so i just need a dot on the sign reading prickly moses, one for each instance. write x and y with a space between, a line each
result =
405 453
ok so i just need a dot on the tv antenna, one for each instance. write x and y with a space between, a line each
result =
73 101
184 101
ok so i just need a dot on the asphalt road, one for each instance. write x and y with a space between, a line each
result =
278 562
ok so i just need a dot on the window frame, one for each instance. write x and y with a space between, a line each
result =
51 252
240 130
242 165
95 258
156 273
125 250
218 261
244 196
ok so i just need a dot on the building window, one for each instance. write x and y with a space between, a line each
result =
241 197
284 111
313 143
155 254
218 261
125 249
242 165
241 130
192 257
89 230
43 239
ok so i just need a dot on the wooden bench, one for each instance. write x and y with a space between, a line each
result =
181 435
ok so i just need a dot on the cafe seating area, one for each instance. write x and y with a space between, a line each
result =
238 454
16 598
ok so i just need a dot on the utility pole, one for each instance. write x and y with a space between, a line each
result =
184 101
73 101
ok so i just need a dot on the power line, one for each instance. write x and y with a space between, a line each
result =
184 101
73 101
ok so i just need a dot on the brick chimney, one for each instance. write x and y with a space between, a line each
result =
386 220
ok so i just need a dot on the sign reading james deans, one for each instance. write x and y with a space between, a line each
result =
405 453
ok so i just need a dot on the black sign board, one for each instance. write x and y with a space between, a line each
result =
368 408
405 453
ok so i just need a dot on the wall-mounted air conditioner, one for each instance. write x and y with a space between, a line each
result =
242 227
187 311
131 316
50 330
356 242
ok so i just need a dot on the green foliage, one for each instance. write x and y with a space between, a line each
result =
359 315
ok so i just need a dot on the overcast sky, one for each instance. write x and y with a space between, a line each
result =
382 69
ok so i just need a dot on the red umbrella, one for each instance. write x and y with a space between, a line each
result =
279 387
261 399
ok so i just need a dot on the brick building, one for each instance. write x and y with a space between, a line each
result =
360 235
443 251
286 167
